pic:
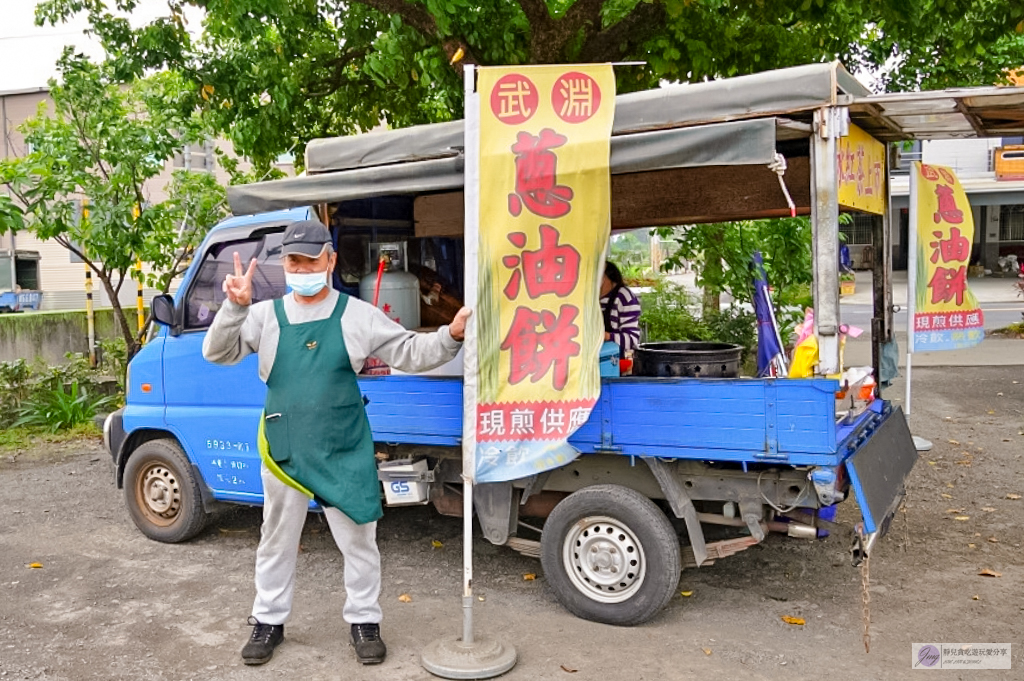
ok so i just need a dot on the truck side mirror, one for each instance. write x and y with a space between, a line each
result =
163 312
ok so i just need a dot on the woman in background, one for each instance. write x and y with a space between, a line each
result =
621 310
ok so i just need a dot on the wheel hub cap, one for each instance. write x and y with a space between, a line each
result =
604 559
160 492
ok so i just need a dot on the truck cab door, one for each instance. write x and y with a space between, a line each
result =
214 410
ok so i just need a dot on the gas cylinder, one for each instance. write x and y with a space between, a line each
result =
399 296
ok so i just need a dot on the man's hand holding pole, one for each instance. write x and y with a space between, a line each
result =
458 326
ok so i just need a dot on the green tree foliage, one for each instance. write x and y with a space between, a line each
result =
11 216
195 202
721 253
102 143
670 313
277 73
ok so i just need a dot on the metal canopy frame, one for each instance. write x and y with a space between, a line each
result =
958 113
717 124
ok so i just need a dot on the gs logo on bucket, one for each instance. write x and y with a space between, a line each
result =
400 487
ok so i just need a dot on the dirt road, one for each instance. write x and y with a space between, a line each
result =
109 604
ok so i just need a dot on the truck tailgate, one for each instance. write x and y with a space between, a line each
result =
883 457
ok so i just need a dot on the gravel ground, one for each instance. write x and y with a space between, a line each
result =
109 604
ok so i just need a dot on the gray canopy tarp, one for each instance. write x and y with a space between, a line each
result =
737 143
716 123
771 93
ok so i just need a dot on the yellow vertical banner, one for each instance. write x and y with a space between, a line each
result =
545 197
946 315
860 169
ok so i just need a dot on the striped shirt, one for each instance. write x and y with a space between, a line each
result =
623 315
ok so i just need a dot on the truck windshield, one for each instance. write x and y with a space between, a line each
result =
205 295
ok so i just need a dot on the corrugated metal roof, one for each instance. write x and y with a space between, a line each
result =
942 114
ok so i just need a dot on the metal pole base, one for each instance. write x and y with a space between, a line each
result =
921 444
481 659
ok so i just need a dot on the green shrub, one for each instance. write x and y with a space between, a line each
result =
39 391
733 325
667 313
59 409
671 313
15 384
114 359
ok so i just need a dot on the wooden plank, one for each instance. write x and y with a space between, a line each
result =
679 196
711 194
439 214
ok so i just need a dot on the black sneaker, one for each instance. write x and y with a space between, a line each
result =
265 637
370 649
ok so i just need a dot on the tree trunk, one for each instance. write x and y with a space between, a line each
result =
714 270
131 343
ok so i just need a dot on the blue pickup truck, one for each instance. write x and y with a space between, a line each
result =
662 459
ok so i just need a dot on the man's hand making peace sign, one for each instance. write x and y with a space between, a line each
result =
238 286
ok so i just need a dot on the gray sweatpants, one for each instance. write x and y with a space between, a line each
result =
284 514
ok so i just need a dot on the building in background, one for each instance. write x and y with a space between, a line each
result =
49 265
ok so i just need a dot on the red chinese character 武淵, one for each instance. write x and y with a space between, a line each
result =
948 283
948 210
536 184
553 268
533 353
956 248
514 99
576 97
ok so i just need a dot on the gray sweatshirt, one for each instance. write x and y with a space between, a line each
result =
239 330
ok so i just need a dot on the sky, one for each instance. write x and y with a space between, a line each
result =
28 52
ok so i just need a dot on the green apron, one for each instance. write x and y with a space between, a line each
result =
314 435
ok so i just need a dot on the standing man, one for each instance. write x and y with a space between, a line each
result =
314 437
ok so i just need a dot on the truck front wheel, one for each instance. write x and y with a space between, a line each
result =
610 555
162 493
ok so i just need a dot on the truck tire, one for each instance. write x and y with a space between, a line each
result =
610 555
162 492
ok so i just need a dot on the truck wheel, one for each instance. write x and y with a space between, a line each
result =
162 493
610 555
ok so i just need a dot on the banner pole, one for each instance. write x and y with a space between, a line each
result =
470 361
906 401
467 561
469 657
911 273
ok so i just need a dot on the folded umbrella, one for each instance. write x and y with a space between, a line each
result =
771 361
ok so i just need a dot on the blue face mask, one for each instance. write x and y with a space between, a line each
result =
306 284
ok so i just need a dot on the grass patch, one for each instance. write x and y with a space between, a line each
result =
14 439
1015 329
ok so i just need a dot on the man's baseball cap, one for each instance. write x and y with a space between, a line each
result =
305 237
